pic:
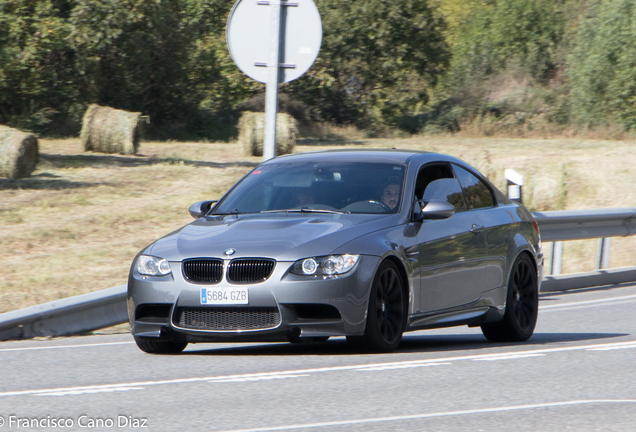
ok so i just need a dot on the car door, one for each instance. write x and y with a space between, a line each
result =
451 251
494 223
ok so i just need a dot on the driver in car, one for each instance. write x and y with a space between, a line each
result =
391 195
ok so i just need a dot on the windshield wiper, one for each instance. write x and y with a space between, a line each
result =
305 210
308 210
231 212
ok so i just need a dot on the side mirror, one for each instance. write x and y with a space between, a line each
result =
200 209
436 209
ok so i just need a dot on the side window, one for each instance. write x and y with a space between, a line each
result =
477 194
438 182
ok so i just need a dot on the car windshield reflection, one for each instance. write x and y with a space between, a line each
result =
357 187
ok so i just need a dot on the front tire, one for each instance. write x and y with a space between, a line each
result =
160 347
386 316
522 305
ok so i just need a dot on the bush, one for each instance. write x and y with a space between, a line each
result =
377 62
445 116
526 32
602 67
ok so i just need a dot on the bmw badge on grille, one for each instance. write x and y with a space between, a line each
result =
229 252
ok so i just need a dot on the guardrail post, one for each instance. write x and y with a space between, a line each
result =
603 256
557 258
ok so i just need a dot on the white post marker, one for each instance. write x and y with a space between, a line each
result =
515 182
275 50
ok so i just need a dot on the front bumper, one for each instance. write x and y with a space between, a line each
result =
306 306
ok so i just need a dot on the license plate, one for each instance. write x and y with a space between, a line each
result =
224 296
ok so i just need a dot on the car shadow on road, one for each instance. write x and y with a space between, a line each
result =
418 343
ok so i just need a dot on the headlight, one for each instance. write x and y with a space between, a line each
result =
329 265
153 266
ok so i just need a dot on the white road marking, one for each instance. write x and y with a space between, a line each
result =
588 303
509 357
64 346
257 378
626 345
87 391
319 370
408 366
436 414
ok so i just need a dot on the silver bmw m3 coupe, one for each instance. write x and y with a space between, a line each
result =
363 244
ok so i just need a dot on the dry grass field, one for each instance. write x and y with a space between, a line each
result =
76 223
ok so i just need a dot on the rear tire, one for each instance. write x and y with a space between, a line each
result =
386 316
522 305
160 347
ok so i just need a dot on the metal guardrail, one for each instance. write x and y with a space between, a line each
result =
596 278
73 315
106 308
586 224
559 226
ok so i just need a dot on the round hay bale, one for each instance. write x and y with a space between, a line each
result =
18 153
109 130
252 133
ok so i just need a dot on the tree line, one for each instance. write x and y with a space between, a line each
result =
409 64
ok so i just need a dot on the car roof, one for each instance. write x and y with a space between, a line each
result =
358 155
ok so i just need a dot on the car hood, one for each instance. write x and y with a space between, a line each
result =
284 237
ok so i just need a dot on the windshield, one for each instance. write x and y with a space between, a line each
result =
352 187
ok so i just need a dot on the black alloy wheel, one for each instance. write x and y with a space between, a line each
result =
387 312
522 305
160 347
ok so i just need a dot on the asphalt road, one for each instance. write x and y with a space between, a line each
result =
576 373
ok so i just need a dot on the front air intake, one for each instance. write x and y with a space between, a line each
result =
228 318
250 270
203 270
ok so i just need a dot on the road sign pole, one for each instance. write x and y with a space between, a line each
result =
273 51
271 89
